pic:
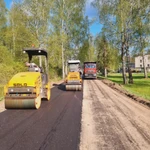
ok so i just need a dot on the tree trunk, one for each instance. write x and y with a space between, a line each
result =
105 60
124 71
128 60
130 75
144 67
62 47
123 48
14 39
63 67
66 69
123 64
105 72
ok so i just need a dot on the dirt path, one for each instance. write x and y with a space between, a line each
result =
111 121
2 106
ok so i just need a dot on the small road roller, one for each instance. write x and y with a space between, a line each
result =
27 89
73 80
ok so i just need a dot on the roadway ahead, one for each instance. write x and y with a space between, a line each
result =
110 121
55 126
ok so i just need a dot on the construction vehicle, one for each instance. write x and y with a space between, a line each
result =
26 89
90 70
73 80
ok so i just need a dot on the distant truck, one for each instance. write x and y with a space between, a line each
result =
90 70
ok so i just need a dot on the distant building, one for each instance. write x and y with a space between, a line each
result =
139 62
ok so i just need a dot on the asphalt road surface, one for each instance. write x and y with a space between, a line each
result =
55 126
103 120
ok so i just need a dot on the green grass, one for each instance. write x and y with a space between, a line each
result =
141 86
1 92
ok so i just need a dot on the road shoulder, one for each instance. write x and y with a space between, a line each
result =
120 89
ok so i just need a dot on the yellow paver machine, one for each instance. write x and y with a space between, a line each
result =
73 80
26 89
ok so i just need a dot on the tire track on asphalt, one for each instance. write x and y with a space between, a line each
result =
54 127
49 130
32 114
38 114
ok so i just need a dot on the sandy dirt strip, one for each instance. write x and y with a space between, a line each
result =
2 108
112 121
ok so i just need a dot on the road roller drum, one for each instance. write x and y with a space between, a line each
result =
73 87
34 103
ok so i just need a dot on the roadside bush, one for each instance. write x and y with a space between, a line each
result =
8 67
6 73
55 73
5 56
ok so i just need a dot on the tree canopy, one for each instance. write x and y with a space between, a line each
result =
61 27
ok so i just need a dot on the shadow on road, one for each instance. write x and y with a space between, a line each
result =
60 86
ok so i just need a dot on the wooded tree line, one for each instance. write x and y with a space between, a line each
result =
126 28
57 25
61 27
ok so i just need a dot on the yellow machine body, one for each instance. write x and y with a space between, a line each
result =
73 79
23 91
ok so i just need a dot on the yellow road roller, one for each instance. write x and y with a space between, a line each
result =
73 80
26 89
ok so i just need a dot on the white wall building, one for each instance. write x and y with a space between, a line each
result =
139 61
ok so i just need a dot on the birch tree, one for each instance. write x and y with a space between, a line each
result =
118 19
37 12
142 30
66 17
107 56
3 23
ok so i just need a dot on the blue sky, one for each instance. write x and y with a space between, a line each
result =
90 11
8 3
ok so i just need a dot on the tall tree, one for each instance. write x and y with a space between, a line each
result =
3 22
18 34
86 42
66 18
107 56
118 18
57 25
37 12
142 30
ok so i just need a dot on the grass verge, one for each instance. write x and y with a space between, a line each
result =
1 92
141 86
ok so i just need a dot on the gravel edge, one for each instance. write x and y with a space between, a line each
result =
119 88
